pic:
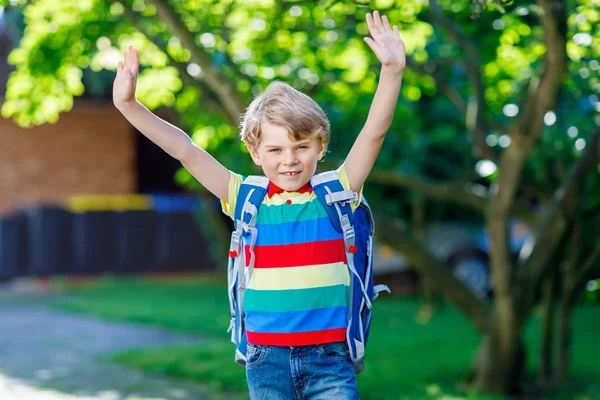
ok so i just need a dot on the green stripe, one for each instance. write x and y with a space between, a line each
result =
296 299
293 212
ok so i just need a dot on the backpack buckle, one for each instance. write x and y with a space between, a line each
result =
236 241
343 197
348 230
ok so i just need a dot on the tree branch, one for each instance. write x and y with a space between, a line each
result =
542 96
554 218
430 68
502 201
181 68
590 269
476 110
393 234
544 88
472 195
228 96
469 194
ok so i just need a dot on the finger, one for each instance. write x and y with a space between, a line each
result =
377 20
130 55
375 47
372 26
134 57
120 66
370 22
396 32
372 44
134 63
386 24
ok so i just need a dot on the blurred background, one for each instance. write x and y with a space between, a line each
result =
485 193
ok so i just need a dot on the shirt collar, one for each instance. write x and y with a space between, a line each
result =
274 189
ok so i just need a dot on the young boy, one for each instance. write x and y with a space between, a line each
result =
296 304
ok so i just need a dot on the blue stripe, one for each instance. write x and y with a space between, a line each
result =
296 232
297 321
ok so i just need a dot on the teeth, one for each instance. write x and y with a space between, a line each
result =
291 173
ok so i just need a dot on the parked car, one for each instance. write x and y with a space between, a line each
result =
464 248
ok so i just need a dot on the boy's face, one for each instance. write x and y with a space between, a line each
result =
286 163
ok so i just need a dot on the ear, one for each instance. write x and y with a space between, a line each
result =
254 153
322 149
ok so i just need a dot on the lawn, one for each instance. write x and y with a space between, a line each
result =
407 358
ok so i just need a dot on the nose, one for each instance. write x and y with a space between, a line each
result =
289 158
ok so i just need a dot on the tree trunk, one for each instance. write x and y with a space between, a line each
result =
564 341
573 283
500 361
567 301
548 294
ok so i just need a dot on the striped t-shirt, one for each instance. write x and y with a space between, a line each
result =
299 290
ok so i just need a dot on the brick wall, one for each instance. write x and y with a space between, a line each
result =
90 150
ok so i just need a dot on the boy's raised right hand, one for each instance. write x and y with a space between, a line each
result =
208 171
125 82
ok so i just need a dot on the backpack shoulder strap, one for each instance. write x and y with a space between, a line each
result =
335 199
252 192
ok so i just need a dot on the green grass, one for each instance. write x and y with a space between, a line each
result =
405 359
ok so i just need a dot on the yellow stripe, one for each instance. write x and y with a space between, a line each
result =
297 198
235 181
79 204
343 177
300 277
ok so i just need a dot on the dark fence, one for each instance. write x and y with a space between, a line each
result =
13 249
101 234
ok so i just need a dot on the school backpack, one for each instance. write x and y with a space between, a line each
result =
357 229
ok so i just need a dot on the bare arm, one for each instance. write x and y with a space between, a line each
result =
171 139
389 49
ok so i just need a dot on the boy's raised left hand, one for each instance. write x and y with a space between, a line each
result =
386 42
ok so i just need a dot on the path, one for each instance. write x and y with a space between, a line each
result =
50 355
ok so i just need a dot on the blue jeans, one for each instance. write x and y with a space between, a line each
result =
322 371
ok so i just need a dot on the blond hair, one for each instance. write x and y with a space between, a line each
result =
284 106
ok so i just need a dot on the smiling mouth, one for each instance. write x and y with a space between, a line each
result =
291 173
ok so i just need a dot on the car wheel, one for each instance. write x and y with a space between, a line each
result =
472 269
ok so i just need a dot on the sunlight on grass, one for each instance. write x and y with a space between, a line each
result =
414 353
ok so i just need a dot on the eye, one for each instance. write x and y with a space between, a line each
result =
302 147
273 150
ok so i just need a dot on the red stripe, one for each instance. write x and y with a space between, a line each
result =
297 339
294 255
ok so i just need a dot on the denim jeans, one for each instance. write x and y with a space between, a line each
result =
322 371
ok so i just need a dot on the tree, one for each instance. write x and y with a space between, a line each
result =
504 89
